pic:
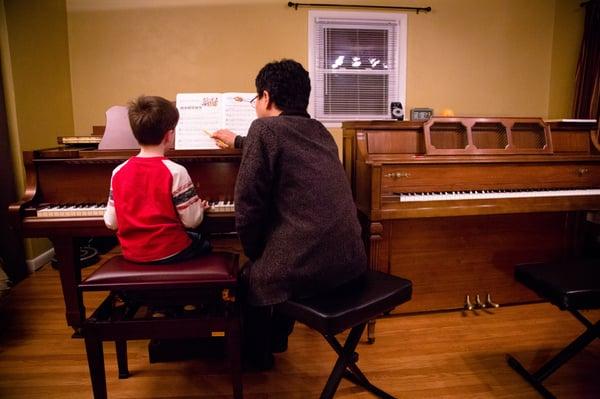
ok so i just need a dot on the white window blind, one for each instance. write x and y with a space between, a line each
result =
357 64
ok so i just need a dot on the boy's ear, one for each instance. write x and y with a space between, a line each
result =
169 135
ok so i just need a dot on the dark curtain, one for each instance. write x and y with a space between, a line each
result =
12 253
587 89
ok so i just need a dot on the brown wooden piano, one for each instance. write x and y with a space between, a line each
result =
453 204
66 189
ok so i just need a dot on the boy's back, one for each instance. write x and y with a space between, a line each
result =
153 200
149 225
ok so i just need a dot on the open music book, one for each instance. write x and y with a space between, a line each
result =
202 113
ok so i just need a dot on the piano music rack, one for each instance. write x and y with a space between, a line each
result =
486 136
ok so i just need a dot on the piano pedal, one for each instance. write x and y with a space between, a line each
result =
488 304
468 305
478 302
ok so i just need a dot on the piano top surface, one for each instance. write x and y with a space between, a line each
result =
393 124
88 153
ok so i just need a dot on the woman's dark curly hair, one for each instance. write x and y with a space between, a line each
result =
288 84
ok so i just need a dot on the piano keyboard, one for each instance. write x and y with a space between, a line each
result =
492 194
72 210
86 210
221 206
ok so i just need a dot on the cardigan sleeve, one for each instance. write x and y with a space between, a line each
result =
238 142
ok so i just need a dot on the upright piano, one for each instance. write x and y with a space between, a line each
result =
453 204
66 189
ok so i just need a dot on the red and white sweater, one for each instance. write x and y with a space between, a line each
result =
151 203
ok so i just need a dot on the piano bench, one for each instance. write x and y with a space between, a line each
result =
571 286
191 299
350 306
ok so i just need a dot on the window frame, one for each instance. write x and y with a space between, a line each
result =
399 19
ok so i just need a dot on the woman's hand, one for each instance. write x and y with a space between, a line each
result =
224 138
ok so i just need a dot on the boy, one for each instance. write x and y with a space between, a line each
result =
153 200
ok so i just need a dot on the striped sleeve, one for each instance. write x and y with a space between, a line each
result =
185 198
110 215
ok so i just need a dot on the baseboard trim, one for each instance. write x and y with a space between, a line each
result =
40 260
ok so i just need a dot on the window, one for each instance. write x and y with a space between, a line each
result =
357 64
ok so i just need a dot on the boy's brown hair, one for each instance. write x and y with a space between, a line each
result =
151 117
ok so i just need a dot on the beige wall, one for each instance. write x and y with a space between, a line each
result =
35 68
119 53
39 51
492 57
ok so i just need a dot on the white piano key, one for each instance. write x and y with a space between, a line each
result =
488 194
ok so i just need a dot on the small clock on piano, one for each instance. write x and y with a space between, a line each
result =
421 114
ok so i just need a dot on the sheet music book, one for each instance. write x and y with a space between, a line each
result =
203 113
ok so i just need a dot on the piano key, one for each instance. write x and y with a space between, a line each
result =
493 194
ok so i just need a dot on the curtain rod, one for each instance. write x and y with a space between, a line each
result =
416 9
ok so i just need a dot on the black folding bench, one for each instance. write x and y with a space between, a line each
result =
572 286
349 307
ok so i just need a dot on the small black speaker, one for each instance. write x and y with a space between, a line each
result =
397 111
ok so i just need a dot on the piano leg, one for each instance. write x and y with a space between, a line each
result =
14 252
67 255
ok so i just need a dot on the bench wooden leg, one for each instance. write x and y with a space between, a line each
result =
121 347
95 356
235 357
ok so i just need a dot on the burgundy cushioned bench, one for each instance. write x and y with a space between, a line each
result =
191 299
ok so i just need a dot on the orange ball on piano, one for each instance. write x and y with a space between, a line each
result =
447 112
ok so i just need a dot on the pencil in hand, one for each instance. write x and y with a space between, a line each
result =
219 143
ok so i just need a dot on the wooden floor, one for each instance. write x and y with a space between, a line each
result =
444 355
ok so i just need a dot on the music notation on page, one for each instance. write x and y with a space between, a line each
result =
202 113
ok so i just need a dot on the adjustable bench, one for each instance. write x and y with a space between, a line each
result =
572 286
349 307
190 299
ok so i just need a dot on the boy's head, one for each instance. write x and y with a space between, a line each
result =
151 117
288 85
